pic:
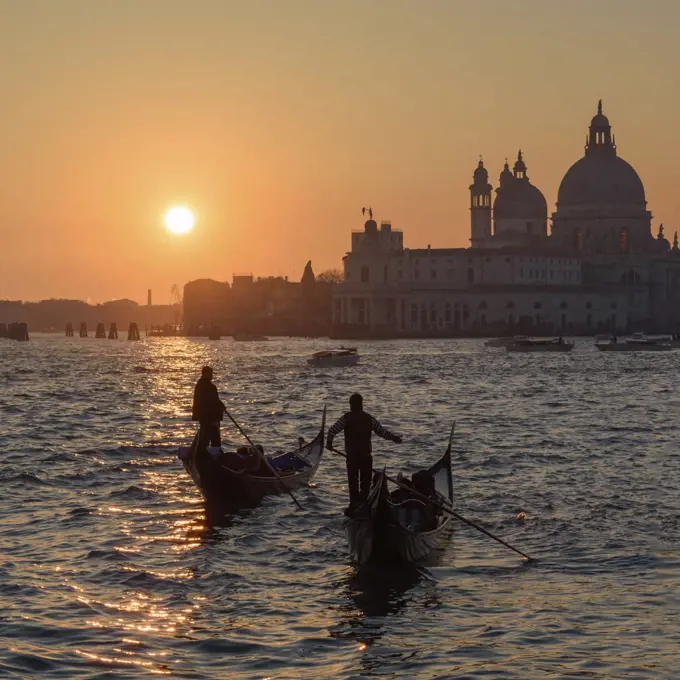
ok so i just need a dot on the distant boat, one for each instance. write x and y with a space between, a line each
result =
638 342
540 345
345 356
503 342
249 337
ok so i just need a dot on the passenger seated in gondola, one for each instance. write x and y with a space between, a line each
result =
412 511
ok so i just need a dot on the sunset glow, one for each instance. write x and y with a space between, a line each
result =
179 220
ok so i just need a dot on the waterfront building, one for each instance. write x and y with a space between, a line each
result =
599 269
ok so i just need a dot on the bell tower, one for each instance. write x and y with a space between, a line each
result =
480 207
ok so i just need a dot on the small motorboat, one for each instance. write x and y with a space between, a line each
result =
638 342
240 479
394 526
345 356
503 342
540 345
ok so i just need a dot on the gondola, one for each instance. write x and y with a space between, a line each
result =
393 527
240 479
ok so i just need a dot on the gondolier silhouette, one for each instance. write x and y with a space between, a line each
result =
358 426
207 408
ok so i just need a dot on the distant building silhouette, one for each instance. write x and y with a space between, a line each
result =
600 269
269 306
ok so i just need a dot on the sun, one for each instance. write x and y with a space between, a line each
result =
179 220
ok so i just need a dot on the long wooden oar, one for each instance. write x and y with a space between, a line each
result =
451 512
264 458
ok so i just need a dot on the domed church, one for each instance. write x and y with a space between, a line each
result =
601 205
600 269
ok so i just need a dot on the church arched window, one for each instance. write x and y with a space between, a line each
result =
623 240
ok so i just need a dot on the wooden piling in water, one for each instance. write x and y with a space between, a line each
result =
113 332
69 330
83 330
133 332
100 332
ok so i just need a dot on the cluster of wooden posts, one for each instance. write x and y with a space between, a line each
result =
100 331
14 331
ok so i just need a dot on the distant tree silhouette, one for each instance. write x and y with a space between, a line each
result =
331 276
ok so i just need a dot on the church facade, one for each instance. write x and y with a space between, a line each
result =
599 269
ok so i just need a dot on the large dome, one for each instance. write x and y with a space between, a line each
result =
601 179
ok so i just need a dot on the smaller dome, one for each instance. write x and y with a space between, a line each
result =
371 226
481 175
520 165
520 200
506 175
600 121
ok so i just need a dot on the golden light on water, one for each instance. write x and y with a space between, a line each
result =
179 220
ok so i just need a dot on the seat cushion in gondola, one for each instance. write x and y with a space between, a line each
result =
288 461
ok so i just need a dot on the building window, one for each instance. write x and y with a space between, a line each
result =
521 272
578 240
433 274
414 316
623 240
433 314
447 313
471 275
365 274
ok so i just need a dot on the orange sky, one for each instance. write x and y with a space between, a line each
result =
277 121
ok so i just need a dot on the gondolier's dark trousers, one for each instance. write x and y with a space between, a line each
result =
210 434
359 473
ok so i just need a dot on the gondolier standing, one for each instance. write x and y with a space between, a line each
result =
358 426
207 408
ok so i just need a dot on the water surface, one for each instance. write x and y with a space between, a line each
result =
110 570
